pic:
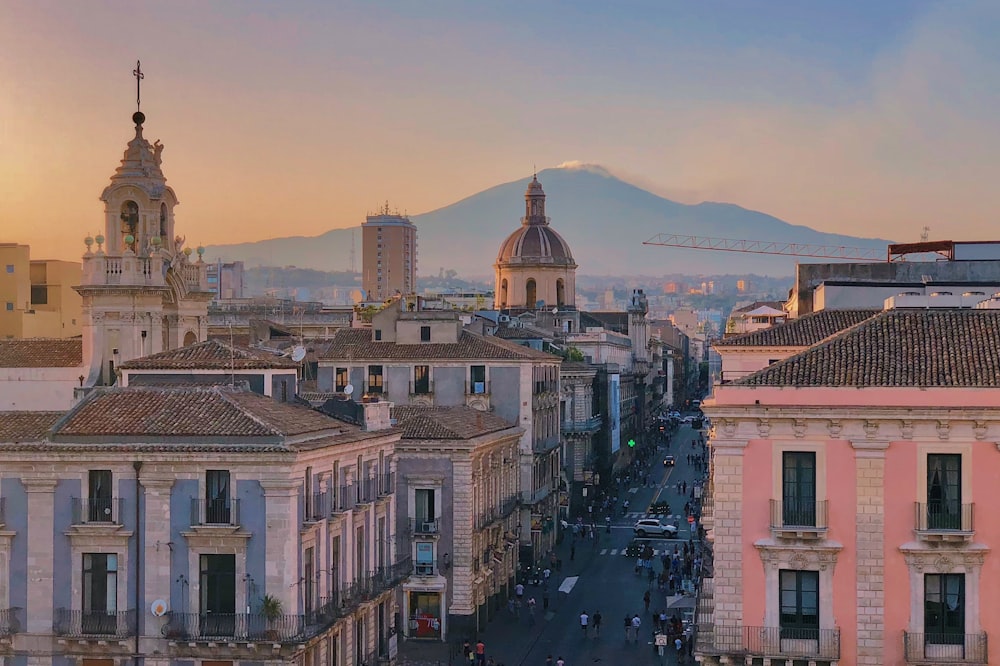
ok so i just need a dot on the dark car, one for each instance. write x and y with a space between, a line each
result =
669 461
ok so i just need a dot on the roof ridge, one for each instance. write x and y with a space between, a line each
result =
225 395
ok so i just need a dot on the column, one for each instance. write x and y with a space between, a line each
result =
41 546
462 511
281 570
869 463
156 558
728 480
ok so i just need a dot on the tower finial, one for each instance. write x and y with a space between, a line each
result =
138 118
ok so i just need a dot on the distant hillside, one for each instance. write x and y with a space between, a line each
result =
604 220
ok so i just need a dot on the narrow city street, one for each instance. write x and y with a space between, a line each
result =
598 576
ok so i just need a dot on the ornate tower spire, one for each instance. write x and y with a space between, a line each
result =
534 203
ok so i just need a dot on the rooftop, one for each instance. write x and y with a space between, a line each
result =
898 348
804 331
41 353
357 344
26 426
212 354
446 422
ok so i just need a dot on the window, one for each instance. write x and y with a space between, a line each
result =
359 641
309 581
99 496
360 565
944 491
421 379
10 268
10 306
378 334
798 488
217 502
341 380
375 379
425 558
425 333
424 509
477 379
218 595
383 542
799 604
100 593
944 609
39 294
334 565
530 294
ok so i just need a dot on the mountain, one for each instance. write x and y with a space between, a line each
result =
604 220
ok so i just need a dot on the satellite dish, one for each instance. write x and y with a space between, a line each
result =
159 608
555 310
298 353
349 389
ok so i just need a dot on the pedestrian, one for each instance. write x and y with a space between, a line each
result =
628 627
548 660
636 623
519 592
481 653
572 551
597 623
531 611
645 600
584 620
546 573
545 599
607 522
560 661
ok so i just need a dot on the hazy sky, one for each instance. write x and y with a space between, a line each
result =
279 118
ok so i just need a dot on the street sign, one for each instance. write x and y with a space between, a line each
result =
661 639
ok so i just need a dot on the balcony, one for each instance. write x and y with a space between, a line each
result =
96 510
583 426
345 500
366 491
487 517
3 514
10 622
509 505
226 627
944 521
799 519
774 642
96 625
317 509
422 389
215 513
422 526
945 649
387 485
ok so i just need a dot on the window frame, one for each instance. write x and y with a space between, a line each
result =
798 488
940 633
795 625
379 385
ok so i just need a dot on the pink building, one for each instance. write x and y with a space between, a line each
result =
850 497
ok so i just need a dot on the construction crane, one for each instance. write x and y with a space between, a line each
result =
767 247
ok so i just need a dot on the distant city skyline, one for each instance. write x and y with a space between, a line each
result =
869 119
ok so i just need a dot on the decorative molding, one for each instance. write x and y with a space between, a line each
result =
906 429
811 558
871 429
979 429
944 559
799 428
763 428
834 428
729 428
943 430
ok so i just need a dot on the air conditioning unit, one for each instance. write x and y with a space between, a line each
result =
428 527
503 319
424 569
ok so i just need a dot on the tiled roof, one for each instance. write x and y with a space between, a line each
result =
26 426
212 354
519 334
41 353
446 422
774 305
357 344
188 412
804 331
925 348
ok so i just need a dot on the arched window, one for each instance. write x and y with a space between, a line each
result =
530 294
130 218
190 338
163 222
503 293
560 292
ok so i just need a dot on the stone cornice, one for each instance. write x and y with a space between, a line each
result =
944 558
820 556
35 485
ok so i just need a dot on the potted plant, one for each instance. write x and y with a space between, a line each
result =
271 608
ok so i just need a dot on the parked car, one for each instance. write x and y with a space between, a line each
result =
669 461
652 526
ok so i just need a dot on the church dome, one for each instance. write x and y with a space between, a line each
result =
535 242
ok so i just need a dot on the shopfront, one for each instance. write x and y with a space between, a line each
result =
424 614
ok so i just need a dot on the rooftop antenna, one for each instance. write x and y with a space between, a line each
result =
925 234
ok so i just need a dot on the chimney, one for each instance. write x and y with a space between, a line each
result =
376 415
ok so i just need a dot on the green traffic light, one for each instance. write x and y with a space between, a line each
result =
631 443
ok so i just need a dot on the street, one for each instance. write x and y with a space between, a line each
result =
601 577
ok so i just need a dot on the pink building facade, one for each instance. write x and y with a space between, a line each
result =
850 504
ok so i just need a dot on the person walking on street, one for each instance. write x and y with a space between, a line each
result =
548 661
584 620
607 522
545 599
560 661
636 623
597 624
481 653
628 627
646 599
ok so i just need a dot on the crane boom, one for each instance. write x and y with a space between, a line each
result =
766 247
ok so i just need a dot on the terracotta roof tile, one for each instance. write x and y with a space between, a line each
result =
41 353
357 344
26 426
446 422
925 348
187 412
803 331
213 354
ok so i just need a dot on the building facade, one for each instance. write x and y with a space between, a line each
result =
225 280
188 525
389 256
458 494
36 295
846 483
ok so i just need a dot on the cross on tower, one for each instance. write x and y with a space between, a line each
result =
139 76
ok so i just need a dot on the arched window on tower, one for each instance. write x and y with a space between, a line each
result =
163 222
130 218
190 338
530 294
503 293
560 292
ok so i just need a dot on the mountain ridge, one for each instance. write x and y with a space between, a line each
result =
603 218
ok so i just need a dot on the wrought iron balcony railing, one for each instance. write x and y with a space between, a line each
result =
215 512
775 642
93 624
592 424
10 621
387 484
234 626
107 510
799 517
945 648
944 520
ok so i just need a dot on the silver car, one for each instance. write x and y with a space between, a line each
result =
652 526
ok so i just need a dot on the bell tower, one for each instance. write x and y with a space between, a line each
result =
142 293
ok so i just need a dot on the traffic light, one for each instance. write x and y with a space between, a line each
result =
631 443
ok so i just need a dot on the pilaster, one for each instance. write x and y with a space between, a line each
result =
41 551
281 508
728 483
156 558
462 602
869 461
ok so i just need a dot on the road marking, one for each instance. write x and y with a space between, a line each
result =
567 585
604 551
633 490
614 551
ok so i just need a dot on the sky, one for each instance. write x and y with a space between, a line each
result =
865 118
